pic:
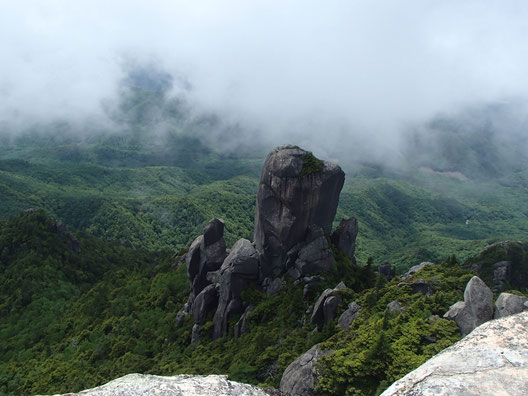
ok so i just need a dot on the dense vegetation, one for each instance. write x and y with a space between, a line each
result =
73 319
135 193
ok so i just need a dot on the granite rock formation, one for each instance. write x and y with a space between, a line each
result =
348 317
476 308
492 360
296 205
344 237
299 377
178 385
509 304
296 191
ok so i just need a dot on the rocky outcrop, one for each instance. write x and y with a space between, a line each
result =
178 385
395 308
476 308
296 191
503 265
206 254
509 304
240 268
310 256
414 269
492 360
344 237
299 377
325 308
241 325
348 317
296 205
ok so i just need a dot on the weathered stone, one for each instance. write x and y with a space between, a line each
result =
241 325
290 200
240 268
193 258
195 334
315 255
330 308
501 274
476 309
275 286
205 254
420 286
180 318
223 312
509 304
395 308
299 377
492 360
313 279
243 260
414 269
344 237
348 317
204 302
325 308
178 385
340 286
318 311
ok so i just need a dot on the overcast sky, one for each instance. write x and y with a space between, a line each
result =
354 67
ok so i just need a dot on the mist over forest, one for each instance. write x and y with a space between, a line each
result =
418 80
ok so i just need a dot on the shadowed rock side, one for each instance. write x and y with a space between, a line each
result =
492 360
295 192
178 385
476 308
299 377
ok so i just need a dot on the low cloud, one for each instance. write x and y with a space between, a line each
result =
334 74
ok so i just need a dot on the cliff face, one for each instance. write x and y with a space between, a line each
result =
491 360
296 191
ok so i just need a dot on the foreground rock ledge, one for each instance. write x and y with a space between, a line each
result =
492 360
184 385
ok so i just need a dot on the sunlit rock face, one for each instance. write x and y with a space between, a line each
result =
491 360
178 385
296 191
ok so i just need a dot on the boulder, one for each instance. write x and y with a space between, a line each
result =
395 308
274 286
348 317
195 334
240 268
344 237
492 360
241 325
206 254
509 304
325 308
414 269
299 377
315 255
318 317
204 302
178 385
296 190
476 308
